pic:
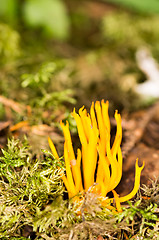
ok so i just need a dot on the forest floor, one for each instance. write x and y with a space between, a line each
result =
43 85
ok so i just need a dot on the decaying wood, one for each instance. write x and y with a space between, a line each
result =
134 134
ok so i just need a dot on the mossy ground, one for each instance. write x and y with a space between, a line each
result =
34 204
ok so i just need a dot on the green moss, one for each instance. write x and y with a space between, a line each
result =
32 196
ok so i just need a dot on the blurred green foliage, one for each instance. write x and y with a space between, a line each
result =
130 31
116 36
9 10
146 6
9 43
46 90
49 15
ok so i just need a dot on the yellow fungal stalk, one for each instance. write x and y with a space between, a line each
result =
97 166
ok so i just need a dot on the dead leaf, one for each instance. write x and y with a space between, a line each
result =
4 125
19 125
17 107
41 130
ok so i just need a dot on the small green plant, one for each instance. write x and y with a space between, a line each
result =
15 156
140 216
42 84
40 78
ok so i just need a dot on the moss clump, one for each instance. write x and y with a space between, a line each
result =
34 204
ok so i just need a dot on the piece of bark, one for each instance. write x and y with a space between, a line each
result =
135 129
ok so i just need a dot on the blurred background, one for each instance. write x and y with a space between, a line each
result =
57 54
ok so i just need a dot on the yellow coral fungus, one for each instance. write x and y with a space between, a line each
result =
98 166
